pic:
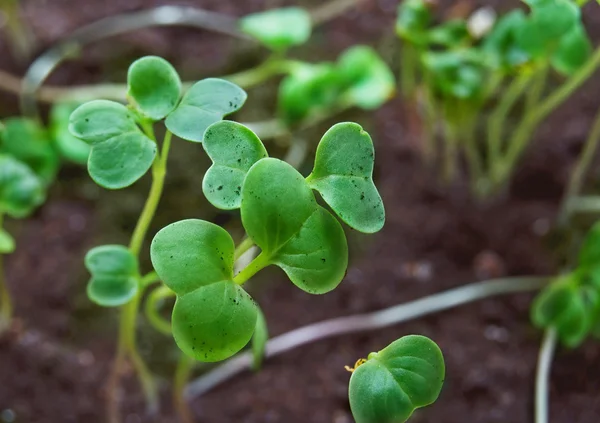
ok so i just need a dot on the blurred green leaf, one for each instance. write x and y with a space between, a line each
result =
259 340
413 20
205 103
280 214
456 74
69 146
450 34
28 142
115 275
501 46
367 80
7 242
121 154
573 51
21 190
233 148
406 375
213 317
279 29
154 86
343 175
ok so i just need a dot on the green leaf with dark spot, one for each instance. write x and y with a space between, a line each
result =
213 317
281 215
233 148
7 242
154 86
115 274
205 103
279 29
21 190
69 146
259 340
343 175
367 80
121 154
27 141
406 375
573 51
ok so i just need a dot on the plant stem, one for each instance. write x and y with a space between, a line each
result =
126 342
258 74
536 90
366 322
330 10
6 306
524 131
542 376
183 371
408 69
498 118
581 169
255 265
583 204
449 164
244 246
152 305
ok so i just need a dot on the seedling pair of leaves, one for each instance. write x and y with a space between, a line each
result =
392 383
571 303
214 317
123 148
278 29
359 78
552 33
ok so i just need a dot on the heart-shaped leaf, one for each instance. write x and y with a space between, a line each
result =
281 215
367 80
154 86
121 154
69 146
565 306
343 175
21 191
406 375
27 141
573 50
233 148
7 242
259 340
500 44
205 103
279 29
213 317
115 275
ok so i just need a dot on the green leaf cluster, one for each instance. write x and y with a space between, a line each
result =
571 303
278 29
121 139
214 317
360 78
21 191
406 375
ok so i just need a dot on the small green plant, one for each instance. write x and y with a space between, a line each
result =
390 384
457 73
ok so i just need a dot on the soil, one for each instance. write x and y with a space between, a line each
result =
54 362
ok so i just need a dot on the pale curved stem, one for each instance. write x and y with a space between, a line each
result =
365 322
542 377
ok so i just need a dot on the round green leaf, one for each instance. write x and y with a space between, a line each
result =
21 191
121 154
114 270
573 50
367 79
214 322
192 253
233 148
281 215
278 29
69 146
259 339
406 375
7 242
154 86
213 317
343 175
27 141
205 103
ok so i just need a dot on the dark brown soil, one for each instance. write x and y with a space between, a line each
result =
54 363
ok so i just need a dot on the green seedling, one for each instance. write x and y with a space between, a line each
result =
21 191
389 385
279 29
281 216
122 148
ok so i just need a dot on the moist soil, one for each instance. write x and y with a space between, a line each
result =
54 361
